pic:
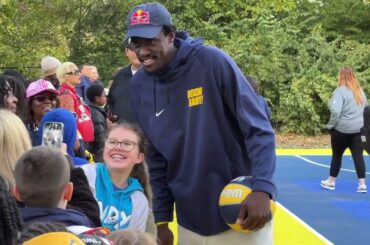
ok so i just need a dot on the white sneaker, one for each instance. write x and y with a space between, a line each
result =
362 188
325 184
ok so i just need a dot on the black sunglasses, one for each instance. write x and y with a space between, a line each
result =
43 97
76 73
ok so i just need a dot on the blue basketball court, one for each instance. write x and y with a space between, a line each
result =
341 216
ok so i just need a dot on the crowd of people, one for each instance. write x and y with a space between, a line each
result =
177 125
94 186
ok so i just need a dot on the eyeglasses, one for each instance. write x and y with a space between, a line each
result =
76 73
125 145
43 97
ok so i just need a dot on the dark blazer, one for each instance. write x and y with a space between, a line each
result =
119 101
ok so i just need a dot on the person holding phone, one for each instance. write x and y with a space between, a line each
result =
41 98
82 199
68 134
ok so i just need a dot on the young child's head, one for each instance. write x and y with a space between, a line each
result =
124 149
42 178
131 237
96 95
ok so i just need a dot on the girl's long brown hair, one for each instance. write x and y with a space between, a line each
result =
348 78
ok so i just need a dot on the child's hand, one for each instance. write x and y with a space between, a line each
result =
109 123
112 117
63 149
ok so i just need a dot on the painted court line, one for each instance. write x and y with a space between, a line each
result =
324 165
298 236
307 151
304 224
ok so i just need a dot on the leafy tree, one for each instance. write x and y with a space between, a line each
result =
350 18
30 30
294 48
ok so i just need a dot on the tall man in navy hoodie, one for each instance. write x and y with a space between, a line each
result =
205 126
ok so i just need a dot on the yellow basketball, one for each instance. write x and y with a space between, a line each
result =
230 199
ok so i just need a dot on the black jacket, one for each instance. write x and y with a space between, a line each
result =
67 217
82 199
99 119
119 101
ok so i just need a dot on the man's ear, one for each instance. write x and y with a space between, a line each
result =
68 191
16 193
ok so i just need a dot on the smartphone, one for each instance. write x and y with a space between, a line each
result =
52 134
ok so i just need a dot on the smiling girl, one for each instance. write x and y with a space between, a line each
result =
121 184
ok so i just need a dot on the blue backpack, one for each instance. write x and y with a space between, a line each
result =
365 130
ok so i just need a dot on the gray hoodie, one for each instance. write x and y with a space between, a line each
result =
346 115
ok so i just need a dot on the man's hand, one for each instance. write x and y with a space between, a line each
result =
165 235
255 211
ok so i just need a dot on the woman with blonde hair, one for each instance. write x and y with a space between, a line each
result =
346 106
69 76
14 141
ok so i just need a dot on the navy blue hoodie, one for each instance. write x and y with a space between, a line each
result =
206 127
69 132
67 217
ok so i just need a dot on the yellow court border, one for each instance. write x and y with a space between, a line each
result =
307 151
288 228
